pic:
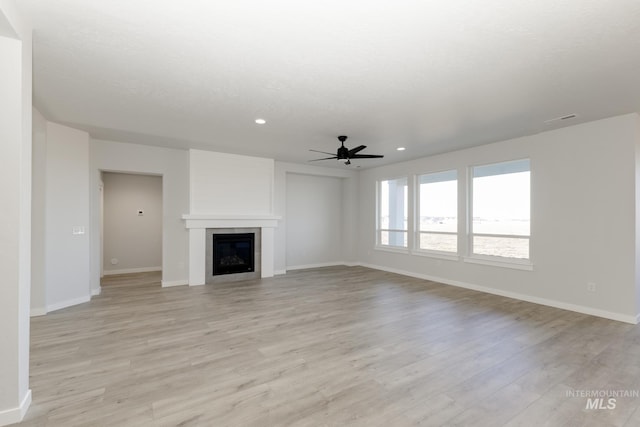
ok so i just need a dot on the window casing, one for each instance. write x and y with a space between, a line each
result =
500 210
392 209
437 212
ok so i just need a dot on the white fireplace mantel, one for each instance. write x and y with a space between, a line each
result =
230 221
197 225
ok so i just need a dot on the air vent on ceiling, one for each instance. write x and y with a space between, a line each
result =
563 118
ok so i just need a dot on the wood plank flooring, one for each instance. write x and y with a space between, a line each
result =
334 346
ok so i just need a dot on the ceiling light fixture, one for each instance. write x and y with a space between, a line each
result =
261 121
400 149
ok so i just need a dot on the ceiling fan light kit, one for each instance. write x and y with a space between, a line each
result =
346 154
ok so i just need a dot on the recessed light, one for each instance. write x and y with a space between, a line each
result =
400 148
261 121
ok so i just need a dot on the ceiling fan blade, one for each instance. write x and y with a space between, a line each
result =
366 156
323 152
326 158
357 149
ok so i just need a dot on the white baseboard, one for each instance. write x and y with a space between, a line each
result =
132 270
328 264
536 300
68 303
172 283
40 311
15 415
319 265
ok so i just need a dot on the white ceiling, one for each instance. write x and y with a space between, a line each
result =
432 76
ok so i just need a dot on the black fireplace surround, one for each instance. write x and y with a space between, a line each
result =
233 253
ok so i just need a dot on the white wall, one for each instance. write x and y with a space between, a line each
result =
226 184
637 212
173 166
314 221
134 240
39 179
67 209
15 215
582 222
348 179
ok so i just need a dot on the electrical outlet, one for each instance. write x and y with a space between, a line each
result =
591 287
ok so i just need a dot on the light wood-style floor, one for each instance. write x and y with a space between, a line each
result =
335 346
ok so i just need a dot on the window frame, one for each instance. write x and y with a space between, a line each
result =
496 260
417 250
378 240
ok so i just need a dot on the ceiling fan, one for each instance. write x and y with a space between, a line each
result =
345 154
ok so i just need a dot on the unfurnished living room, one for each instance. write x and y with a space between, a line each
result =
337 213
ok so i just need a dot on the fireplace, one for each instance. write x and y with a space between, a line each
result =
202 227
233 253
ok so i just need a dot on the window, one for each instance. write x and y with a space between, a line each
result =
392 212
501 210
437 226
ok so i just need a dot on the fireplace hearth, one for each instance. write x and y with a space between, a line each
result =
233 253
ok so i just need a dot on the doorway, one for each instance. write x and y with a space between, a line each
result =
131 223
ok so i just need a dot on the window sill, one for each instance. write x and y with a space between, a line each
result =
506 263
394 249
437 255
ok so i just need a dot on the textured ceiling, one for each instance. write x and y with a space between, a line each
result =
432 76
